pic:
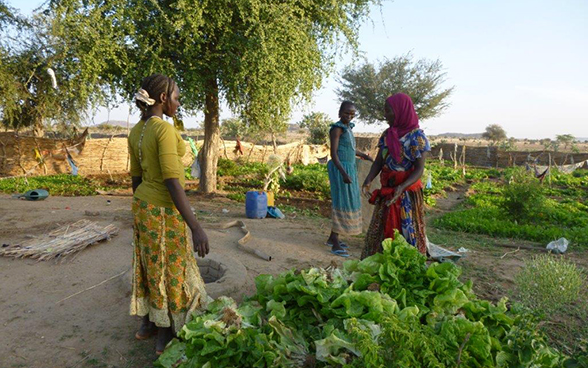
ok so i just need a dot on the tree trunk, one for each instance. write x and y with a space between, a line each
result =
38 129
274 143
209 157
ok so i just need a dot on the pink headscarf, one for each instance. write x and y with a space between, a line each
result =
405 121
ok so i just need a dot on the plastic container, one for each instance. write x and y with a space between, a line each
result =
270 199
256 204
36 195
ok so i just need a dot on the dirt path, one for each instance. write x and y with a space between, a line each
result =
93 329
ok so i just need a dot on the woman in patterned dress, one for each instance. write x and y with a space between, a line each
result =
400 163
167 286
345 195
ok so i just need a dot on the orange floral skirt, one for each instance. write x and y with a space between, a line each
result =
167 284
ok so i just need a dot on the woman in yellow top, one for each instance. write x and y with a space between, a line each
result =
167 286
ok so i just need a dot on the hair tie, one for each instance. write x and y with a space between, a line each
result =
143 96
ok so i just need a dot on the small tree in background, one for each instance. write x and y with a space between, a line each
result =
369 85
494 133
565 139
234 128
318 124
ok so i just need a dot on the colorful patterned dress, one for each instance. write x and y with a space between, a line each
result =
167 285
406 215
345 198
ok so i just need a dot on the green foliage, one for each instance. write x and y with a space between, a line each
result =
388 310
445 177
259 56
565 139
548 283
232 168
234 128
312 178
63 184
369 85
27 94
494 133
318 125
522 196
561 214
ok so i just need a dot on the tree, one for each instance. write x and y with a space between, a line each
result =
369 85
259 56
565 139
494 133
41 81
234 128
318 124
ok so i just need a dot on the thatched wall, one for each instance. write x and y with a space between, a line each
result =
18 155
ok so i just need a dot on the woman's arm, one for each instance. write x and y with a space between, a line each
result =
364 156
180 200
334 136
374 171
419 168
136 181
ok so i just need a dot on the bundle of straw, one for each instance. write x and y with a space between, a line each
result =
62 242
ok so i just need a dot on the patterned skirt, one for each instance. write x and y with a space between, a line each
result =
167 285
345 200
412 223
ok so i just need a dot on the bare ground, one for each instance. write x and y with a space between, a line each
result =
93 329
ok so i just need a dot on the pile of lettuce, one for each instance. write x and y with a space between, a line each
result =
388 310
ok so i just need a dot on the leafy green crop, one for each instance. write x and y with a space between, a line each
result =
63 184
521 211
388 310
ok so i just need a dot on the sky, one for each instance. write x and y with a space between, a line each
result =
522 64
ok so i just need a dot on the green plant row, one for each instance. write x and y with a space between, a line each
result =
63 185
521 208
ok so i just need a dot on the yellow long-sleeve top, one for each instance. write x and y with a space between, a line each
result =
162 148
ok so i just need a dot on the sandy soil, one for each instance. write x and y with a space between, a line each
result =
94 329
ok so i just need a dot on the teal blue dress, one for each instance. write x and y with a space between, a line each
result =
346 205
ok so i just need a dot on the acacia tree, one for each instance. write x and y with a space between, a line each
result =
494 133
259 56
369 85
565 139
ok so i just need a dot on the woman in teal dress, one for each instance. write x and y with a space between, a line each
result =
345 195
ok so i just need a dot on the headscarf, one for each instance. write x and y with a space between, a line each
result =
406 120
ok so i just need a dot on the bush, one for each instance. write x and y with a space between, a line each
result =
523 196
547 283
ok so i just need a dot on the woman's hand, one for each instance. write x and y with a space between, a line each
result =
346 178
365 189
200 241
397 193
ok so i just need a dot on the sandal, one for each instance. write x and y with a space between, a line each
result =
341 244
340 253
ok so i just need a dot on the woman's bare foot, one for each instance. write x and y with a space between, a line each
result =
164 336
